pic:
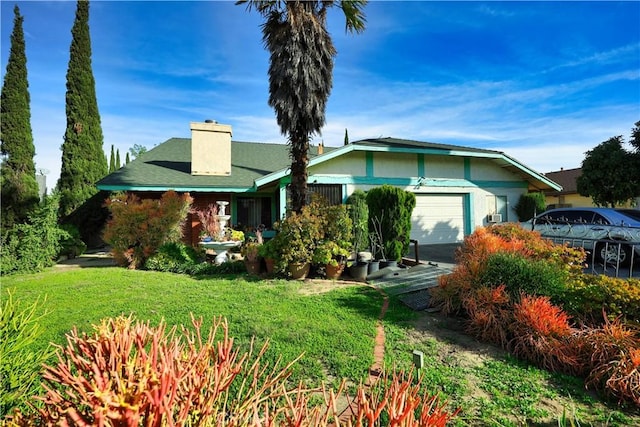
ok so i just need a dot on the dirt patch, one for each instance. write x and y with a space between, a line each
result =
321 286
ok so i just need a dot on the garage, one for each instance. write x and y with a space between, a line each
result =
438 218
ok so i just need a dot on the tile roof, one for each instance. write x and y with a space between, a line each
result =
168 165
567 179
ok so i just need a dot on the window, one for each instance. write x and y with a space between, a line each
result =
331 192
253 211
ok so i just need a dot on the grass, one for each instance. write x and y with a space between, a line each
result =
335 330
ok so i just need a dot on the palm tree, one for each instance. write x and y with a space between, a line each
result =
301 71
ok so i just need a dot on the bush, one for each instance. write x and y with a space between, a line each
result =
174 258
519 274
542 335
130 373
490 314
359 213
611 355
35 245
391 208
72 245
588 296
529 205
19 366
137 228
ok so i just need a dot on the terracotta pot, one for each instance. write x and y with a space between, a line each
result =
333 271
270 263
299 270
253 267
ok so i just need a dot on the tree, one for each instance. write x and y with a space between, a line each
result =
112 161
301 72
83 159
18 176
118 164
346 137
127 159
607 174
137 150
529 205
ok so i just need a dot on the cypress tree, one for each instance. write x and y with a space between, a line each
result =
112 161
83 159
127 159
18 177
118 164
346 137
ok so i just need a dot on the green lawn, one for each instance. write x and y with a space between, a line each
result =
334 329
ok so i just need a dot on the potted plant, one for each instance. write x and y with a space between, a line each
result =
298 234
250 252
270 252
332 257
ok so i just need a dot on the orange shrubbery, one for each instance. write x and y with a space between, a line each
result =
128 373
531 326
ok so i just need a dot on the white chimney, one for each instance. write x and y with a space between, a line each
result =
210 148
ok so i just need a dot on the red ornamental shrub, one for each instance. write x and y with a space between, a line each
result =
542 334
137 228
490 314
612 354
128 373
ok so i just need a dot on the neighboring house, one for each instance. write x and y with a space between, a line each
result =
457 188
568 196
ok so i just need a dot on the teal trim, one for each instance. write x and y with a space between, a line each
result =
421 170
344 193
283 200
413 181
234 210
467 168
369 164
467 200
178 189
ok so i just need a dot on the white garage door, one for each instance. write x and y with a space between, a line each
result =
438 218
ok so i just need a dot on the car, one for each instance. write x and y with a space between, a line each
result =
611 235
633 213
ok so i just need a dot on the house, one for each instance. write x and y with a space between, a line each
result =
568 196
457 188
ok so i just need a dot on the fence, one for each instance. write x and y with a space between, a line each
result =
606 256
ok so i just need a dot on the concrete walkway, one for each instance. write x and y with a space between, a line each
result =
411 285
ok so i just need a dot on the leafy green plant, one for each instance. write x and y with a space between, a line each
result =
34 245
359 214
72 244
20 364
392 207
588 296
137 228
520 274
174 257
529 205
329 253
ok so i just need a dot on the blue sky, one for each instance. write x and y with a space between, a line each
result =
542 81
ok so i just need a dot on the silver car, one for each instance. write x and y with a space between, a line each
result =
611 235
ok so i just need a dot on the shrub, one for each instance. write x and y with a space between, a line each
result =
19 365
33 246
519 274
72 244
588 294
529 205
359 213
490 314
175 258
392 208
542 335
137 228
130 373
